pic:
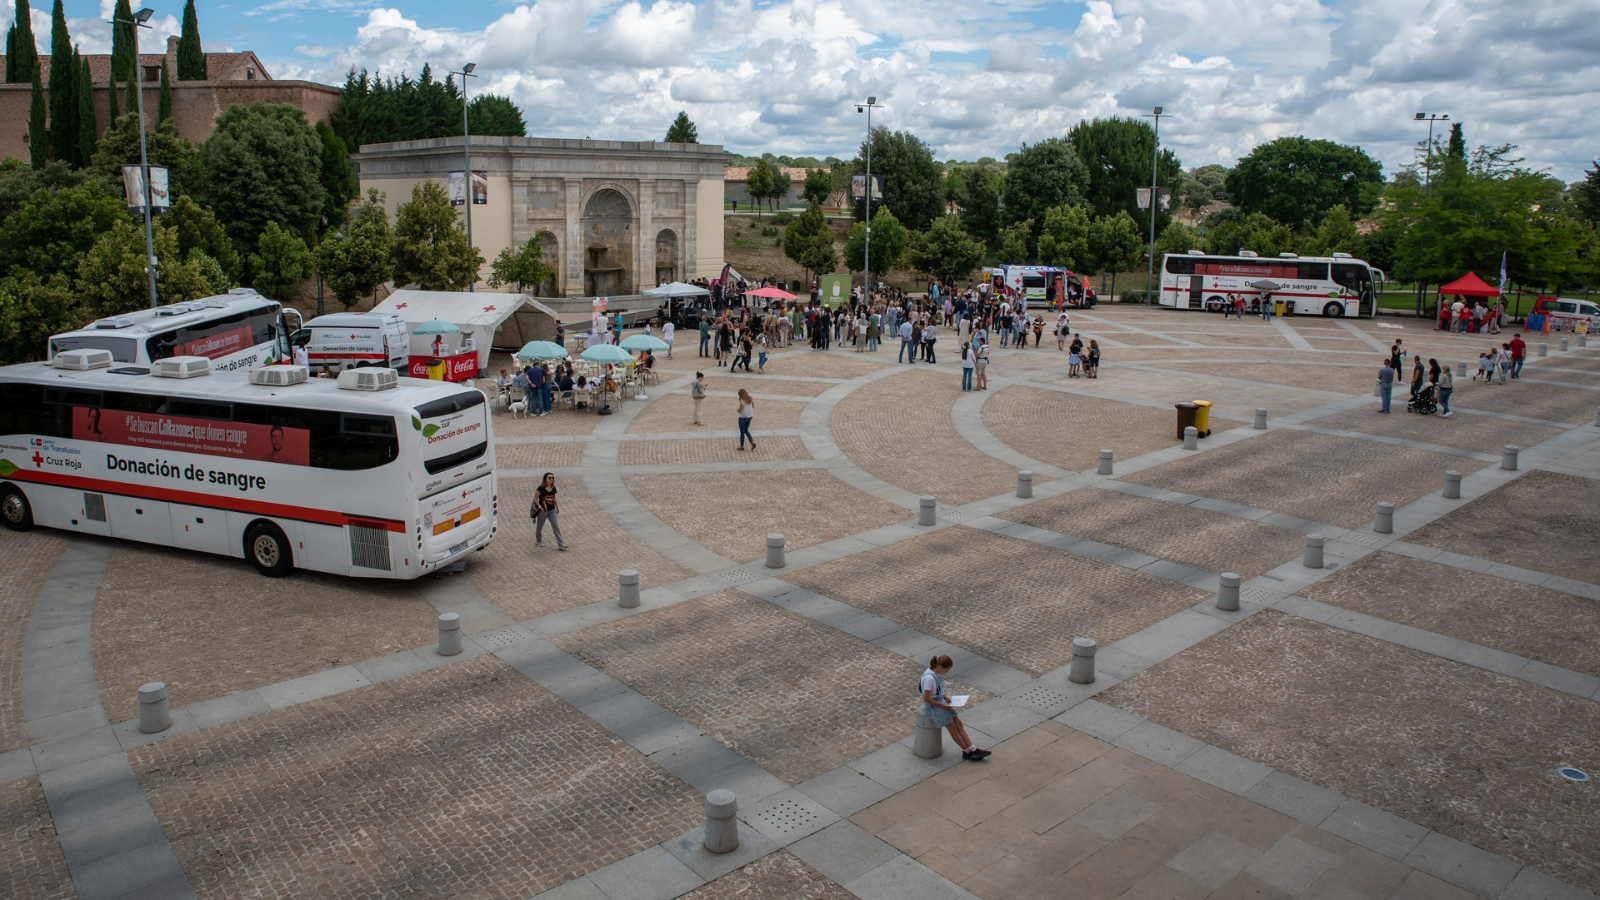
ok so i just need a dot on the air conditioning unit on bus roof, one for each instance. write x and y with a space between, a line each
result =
113 322
1248 253
371 379
82 360
181 367
278 376
1341 256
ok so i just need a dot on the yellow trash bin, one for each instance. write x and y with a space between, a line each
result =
1202 417
436 370
1277 308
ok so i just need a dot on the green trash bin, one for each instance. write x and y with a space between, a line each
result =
1186 414
1202 418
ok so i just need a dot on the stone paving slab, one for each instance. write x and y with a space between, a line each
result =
1528 398
24 569
1482 434
674 411
1070 430
467 781
1538 521
778 876
1009 600
31 864
1161 387
538 457
1342 376
710 450
1382 724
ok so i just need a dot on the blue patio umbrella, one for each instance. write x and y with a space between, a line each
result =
435 326
607 353
542 350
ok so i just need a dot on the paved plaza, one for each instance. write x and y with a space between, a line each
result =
1391 725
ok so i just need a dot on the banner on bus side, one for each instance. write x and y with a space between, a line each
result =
238 440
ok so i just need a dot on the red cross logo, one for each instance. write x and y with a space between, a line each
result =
401 306
38 461
488 309
463 495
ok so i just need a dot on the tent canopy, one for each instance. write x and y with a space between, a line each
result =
677 289
1469 285
508 321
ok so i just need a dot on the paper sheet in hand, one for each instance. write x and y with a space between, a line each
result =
959 700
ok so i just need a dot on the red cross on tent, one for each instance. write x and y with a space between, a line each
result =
401 305
489 309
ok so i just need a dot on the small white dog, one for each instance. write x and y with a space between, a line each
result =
519 409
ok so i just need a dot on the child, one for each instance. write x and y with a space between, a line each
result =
1074 363
1485 368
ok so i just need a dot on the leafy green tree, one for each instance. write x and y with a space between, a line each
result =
980 215
913 181
682 131
1586 195
1043 175
83 146
1296 179
164 98
945 251
354 261
19 182
38 137
955 187
494 115
1560 252
1064 239
781 182
818 186
111 277
809 241
1336 234
430 247
1178 238
33 308
1254 232
1014 242
191 58
22 53
119 146
1204 185
1117 153
54 229
759 183
1115 245
280 261
197 229
889 242
523 268
263 163
213 279
63 89
339 185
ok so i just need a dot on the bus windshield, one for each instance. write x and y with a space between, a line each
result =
123 349
454 431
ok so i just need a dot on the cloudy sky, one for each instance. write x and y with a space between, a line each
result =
973 78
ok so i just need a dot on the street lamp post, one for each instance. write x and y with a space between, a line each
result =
139 21
1427 161
866 250
466 157
1155 158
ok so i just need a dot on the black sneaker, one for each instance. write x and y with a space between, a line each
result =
978 754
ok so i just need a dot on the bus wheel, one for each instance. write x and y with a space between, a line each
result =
1214 304
1333 310
268 550
14 509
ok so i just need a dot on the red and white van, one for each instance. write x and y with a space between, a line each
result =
1566 314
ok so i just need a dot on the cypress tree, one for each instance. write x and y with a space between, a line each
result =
111 102
131 98
122 61
22 54
164 105
191 59
11 54
63 81
87 133
38 141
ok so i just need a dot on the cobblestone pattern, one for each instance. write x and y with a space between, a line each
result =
1207 540
468 781
1587 362
1006 599
1530 621
1346 344
1384 724
722 380
527 581
1481 433
1537 401
675 412
1561 372
836 363
1336 375
792 696
711 450
1315 476
538 457
1543 521
31 864
24 568
1254 338
732 513
776 876
1233 401
560 421
1070 430
899 429
182 618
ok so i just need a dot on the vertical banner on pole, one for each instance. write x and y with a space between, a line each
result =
835 289
480 187
458 189
133 188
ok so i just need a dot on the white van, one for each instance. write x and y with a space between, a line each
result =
355 341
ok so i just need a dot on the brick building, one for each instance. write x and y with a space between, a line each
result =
235 78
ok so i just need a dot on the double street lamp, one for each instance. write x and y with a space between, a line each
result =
466 155
1155 158
140 20
1427 164
866 252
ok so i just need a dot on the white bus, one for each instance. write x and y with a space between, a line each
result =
1337 286
369 475
237 331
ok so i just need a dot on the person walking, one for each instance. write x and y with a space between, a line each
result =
937 707
1091 363
697 393
905 342
747 411
547 508
761 353
1503 362
705 336
969 364
1385 384
983 365
1444 384
668 332
1419 376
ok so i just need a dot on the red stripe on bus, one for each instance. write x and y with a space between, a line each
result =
1252 292
209 501
346 356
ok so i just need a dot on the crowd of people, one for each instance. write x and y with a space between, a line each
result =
1433 384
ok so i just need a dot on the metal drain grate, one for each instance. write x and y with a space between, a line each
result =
956 515
501 637
787 817
1041 698
1258 595
1364 540
739 576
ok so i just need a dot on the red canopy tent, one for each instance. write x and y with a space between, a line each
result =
1469 285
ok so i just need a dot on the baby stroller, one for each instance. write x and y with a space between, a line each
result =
1424 403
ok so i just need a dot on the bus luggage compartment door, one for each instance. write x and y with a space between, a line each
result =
456 519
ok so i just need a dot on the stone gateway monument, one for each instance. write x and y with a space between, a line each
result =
622 216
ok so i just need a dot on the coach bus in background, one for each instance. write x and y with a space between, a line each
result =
368 475
237 331
1339 286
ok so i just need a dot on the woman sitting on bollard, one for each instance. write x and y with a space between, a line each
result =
936 706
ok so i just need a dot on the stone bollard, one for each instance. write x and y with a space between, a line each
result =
1597 417
1313 554
775 558
1508 457
928 744
722 826
628 589
1107 459
1191 438
1228 592
1452 485
449 634
1261 419
1461 368
1562 346
1583 340
1384 522
926 511
1544 349
1025 485
1082 669
154 716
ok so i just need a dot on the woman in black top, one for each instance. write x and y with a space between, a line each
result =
547 508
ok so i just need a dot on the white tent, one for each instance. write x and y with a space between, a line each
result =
504 321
